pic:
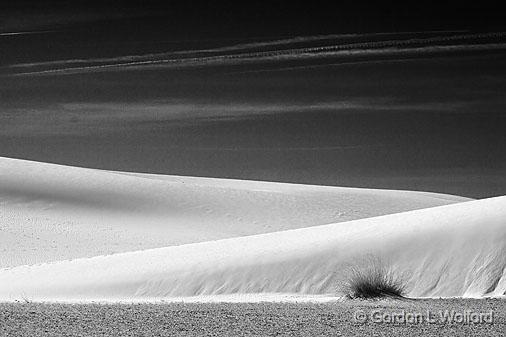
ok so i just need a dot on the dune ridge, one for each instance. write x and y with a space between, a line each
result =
454 250
77 234
53 212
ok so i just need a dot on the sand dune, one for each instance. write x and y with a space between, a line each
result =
51 212
453 250
186 236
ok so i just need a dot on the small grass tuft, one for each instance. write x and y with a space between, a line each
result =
373 280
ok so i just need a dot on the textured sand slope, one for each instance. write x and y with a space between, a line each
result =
51 212
453 250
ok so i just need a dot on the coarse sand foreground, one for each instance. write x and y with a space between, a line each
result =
435 317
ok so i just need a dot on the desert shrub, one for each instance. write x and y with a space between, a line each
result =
372 279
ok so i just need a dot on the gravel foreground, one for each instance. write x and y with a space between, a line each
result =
435 317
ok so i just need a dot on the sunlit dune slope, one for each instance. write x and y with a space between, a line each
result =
453 250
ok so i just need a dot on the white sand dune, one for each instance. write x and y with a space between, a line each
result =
51 212
453 250
185 236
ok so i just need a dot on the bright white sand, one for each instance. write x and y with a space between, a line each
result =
52 212
452 250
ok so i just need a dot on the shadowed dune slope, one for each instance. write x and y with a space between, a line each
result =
51 212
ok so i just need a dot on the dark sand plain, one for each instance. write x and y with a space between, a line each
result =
255 319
